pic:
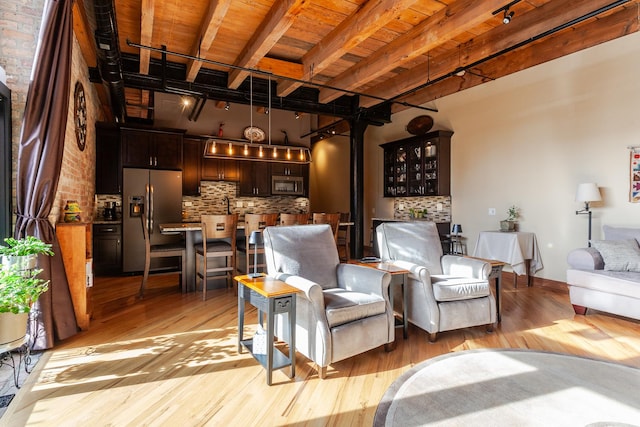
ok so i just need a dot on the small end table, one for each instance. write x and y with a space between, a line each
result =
394 272
269 296
496 273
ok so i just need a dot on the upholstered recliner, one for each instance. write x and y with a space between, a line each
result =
443 292
341 310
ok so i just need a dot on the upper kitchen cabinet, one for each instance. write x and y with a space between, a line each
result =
255 179
289 169
109 165
192 160
219 170
151 149
418 166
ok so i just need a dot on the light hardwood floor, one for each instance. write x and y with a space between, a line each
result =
171 359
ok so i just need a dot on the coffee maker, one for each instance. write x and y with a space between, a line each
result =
109 211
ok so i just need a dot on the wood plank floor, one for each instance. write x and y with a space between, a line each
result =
171 359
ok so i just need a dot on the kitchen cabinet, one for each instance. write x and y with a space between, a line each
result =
289 169
418 166
109 163
107 249
255 179
75 247
191 164
151 149
219 170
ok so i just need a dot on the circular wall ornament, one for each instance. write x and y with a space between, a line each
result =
80 115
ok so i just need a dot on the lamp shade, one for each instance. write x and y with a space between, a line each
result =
457 229
588 192
255 238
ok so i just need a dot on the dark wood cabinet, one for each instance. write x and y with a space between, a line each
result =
191 164
219 170
107 249
255 179
108 160
151 149
418 166
288 169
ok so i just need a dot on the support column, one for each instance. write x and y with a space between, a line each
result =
358 126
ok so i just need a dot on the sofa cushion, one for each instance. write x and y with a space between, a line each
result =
344 306
621 233
447 288
619 255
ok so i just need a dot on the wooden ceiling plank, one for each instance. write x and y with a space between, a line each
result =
597 31
280 17
359 26
208 30
83 33
147 10
530 25
456 18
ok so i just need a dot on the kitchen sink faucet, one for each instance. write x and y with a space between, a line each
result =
226 199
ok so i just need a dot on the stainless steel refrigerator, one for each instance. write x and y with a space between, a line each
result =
155 195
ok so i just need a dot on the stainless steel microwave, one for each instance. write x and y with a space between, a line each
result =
287 185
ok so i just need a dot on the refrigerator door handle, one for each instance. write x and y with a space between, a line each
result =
147 212
151 209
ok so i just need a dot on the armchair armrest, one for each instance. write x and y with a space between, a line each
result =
310 290
453 265
585 259
367 280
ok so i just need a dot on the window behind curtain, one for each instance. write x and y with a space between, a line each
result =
5 162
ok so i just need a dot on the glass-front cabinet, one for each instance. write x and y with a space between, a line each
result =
418 166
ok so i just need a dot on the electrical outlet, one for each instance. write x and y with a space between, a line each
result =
187 204
492 211
439 207
249 204
401 206
238 204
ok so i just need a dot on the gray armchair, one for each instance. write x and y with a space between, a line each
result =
443 292
342 310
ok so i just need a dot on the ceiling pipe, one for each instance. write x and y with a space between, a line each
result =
108 50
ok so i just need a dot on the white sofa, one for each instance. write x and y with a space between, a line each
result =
606 276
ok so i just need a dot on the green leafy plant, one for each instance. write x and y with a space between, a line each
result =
512 213
30 245
19 289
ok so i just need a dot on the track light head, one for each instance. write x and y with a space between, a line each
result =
507 16
227 106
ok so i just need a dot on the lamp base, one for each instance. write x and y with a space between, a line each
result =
255 275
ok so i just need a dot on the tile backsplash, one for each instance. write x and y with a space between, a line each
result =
211 201
402 207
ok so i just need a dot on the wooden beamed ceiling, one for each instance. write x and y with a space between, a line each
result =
411 51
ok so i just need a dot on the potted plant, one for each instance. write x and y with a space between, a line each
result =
20 287
509 224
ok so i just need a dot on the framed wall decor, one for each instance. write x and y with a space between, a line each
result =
634 175
80 115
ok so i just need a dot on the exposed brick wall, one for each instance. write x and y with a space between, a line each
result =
19 29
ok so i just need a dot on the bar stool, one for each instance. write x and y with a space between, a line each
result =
294 219
254 222
218 241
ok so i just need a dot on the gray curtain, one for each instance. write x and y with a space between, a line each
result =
39 162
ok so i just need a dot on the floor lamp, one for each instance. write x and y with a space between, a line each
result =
586 193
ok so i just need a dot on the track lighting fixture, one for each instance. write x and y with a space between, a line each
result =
227 106
507 16
297 115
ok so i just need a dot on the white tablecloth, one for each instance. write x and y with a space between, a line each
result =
510 247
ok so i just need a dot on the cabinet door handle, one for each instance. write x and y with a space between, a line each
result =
150 161
155 162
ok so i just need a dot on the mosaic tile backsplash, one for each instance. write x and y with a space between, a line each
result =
438 207
211 201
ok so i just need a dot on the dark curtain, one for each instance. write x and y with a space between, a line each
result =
39 162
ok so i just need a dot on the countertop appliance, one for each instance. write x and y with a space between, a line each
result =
155 195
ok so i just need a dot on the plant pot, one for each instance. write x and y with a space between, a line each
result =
21 263
13 330
507 225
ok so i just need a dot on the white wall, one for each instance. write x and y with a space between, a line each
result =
529 139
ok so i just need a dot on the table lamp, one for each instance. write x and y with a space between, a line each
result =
255 239
586 193
456 229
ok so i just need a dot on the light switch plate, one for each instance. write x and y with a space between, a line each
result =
492 211
238 204
439 207
187 204
249 204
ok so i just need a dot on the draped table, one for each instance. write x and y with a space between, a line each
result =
519 249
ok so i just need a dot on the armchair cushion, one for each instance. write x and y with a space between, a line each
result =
344 306
446 288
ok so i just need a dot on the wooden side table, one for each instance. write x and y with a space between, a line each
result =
271 297
496 273
394 272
